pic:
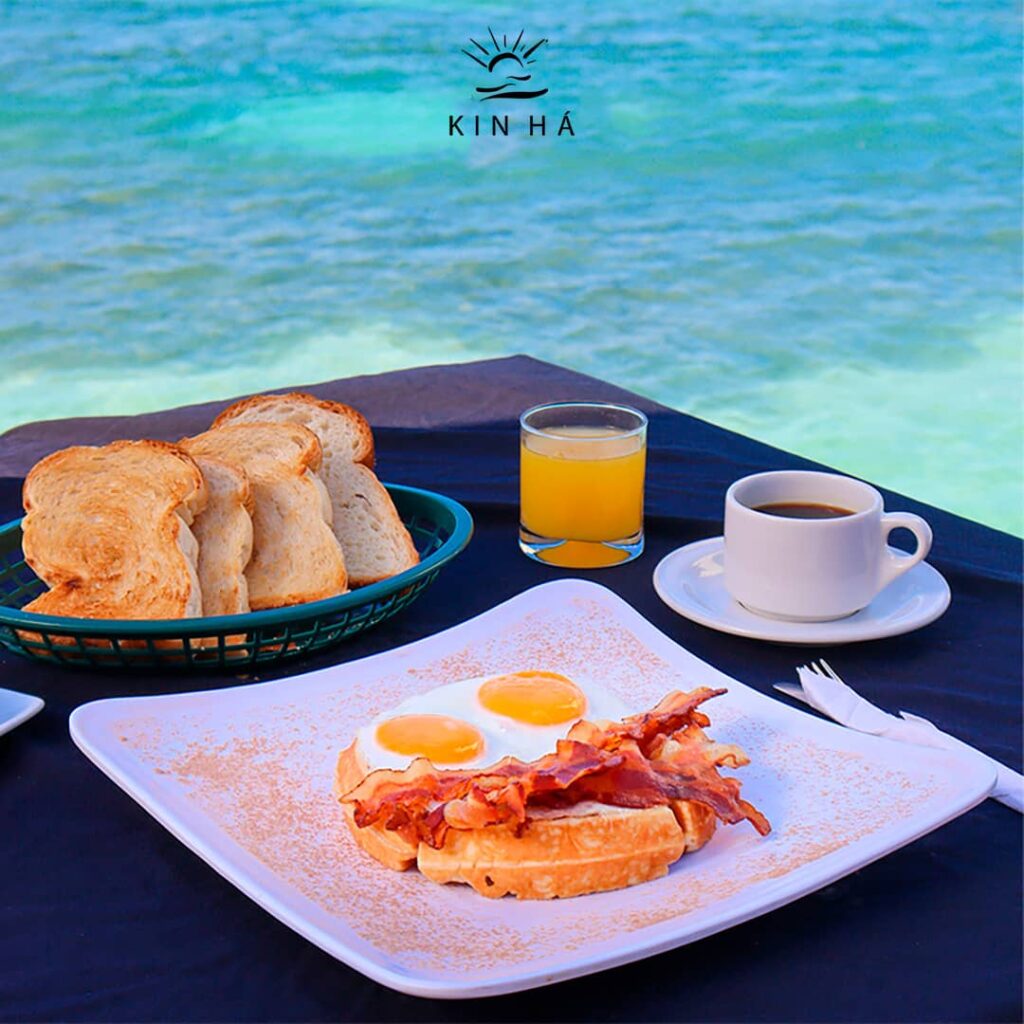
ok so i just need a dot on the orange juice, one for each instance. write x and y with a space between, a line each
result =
582 484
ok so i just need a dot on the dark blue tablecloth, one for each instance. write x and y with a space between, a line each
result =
105 916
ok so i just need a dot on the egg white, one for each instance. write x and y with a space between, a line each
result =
503 737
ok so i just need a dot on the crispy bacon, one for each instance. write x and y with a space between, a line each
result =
422 802
672 713
646 760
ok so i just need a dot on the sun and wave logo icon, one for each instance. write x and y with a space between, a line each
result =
508 68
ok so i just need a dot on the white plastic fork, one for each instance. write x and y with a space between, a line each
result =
821 688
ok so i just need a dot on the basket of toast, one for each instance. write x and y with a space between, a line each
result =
266 537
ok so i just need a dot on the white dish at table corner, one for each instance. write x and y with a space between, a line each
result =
691 581
207 765
16 708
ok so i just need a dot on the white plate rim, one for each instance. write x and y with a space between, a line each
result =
836 632
32 706
249 875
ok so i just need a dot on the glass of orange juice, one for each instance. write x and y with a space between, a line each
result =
581 483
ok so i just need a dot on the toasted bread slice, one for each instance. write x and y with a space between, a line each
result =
368 525
107 529
591 847
343 431
375 541
224 532
295 557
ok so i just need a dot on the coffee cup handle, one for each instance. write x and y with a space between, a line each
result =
894 565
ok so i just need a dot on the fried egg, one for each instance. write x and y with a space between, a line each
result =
476 722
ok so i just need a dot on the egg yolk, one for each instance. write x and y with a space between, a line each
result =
536 698
438 738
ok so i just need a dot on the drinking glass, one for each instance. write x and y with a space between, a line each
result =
581 483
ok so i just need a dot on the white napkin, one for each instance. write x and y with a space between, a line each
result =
839 702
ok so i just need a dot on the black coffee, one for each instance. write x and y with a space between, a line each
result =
803 510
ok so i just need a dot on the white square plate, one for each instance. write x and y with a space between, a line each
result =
243 777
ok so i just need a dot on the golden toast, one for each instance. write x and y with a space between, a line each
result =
342 430
295 556
107 529
372 535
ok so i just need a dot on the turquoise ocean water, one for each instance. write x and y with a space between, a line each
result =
801 221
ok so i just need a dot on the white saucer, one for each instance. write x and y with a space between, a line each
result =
16 708
690 581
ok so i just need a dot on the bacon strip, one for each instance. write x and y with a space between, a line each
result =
672 713
646 760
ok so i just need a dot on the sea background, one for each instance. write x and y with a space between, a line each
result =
800 221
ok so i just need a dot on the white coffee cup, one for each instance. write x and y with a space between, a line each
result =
812 570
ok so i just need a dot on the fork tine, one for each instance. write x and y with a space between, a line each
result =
828 668
816 669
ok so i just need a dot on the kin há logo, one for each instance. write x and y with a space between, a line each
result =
509 78
508 69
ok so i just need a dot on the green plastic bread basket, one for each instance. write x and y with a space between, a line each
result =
440 529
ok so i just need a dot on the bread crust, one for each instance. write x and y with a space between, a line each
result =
107 529
250 408
593 848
